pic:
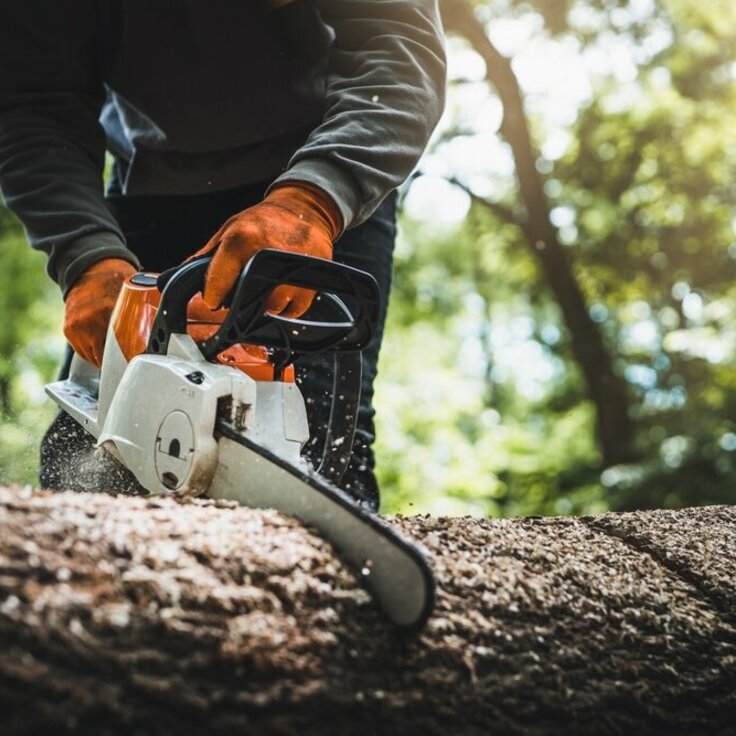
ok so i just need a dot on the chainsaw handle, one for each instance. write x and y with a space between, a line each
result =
346 327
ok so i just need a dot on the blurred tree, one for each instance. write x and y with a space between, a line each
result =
636 182
650 180
605 387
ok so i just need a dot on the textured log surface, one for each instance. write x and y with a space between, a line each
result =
134 616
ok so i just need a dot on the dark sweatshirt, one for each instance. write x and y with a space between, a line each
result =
205 95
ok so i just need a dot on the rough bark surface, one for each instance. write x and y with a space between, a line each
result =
134 616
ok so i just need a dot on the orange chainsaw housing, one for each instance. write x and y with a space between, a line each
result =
136 310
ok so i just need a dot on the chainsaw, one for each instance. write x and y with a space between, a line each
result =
212 407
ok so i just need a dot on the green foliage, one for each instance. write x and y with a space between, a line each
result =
30 349
644 196
456 433
652 190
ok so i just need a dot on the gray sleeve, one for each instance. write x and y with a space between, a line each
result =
385 94
52 147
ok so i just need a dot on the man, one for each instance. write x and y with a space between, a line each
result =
290 121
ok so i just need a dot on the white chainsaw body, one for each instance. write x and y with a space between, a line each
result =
157 413
186 426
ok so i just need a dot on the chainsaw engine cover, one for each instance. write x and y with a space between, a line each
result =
174 449
160 422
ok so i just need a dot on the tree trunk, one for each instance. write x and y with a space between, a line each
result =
6 407
606 389
138 616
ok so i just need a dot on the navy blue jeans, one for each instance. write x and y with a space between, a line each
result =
162 232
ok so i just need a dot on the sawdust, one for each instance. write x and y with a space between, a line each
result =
70 460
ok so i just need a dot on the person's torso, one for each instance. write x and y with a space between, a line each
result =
206 78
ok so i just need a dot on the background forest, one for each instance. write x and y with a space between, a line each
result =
562 334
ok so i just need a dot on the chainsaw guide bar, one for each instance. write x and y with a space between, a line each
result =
393 569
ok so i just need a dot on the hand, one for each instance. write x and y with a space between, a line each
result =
296 217
89 306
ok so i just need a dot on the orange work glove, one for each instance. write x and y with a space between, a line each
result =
296 217
89 306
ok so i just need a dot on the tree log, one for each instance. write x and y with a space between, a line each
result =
148 616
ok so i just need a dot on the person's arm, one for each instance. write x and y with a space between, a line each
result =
52 147
385 94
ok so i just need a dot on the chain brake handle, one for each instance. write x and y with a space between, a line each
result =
347 327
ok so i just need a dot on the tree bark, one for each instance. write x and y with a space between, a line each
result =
606 389
138 616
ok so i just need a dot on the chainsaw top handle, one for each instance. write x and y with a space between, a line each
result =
348 306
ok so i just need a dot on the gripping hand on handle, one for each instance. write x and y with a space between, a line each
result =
89 304
296 217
